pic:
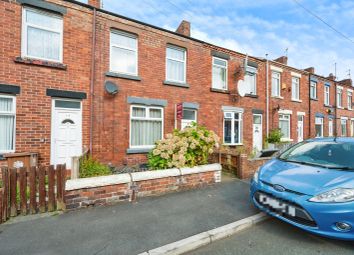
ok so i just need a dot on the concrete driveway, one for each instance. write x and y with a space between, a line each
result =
276 238
128 228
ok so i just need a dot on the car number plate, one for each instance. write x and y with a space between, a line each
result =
277 205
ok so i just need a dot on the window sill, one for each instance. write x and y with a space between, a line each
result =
296 100
232 144
176 84
340 107
328 105
251 95
123 76
138 150
278 97
224 91
38 62
286 140
314 99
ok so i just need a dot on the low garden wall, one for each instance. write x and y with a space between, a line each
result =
126 187
247 167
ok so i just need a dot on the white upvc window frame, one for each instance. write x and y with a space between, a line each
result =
252 72
319 121
24 35
12 113
169 46
147 110
283 116
226 72
350 99
313 90
135 49
330 128
276 75
339 96
233 120
186 122
295 82
327 95
345 121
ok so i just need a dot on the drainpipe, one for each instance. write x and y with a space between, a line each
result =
310 110
267 95
335 101
92 78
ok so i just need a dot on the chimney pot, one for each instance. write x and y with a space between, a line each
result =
184 28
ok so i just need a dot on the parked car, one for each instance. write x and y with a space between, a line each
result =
311 186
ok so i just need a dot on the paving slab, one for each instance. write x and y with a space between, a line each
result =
130 228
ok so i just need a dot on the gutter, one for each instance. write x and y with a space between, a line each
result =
92 78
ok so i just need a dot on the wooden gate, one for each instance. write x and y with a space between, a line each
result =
31 190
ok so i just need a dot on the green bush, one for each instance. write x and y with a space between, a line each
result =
89 167
184 148
274 136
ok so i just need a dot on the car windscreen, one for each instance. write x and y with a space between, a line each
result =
333 154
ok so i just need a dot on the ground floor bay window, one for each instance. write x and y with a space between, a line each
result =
146 126
7 123
319 126
233 128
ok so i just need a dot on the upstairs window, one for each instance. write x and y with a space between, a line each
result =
175 64
219 73
275 84
251 80
339 97
146 126
313 90
42 35
350 100
124 53
7 123
326 95
319 126
295 88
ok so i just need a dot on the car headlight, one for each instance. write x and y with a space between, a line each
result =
339 195
255 175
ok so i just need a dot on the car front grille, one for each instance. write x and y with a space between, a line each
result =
301 215
286 190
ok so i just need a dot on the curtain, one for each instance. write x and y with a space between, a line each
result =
43 44
175 70
145 132
123 60
227 130
285 128
219 77
275 86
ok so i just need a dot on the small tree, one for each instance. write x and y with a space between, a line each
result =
274 136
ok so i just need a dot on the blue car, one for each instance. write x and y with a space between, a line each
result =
311 186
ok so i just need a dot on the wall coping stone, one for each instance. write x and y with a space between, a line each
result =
92 182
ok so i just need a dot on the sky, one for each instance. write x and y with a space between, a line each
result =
260 27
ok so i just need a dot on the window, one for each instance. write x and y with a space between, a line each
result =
251 82
189 116
284 125
175 64
319 126
42 35
219 73
275 84
326 95
233 128
313 90
7 123
350 99
343 124
295 88
123 53
339 97
352 127
146 126
330 128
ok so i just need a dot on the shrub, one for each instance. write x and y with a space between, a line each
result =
184 148
274 136
89 167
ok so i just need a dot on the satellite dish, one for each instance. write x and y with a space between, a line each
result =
111 88
241 88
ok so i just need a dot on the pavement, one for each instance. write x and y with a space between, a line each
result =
275 237
130 228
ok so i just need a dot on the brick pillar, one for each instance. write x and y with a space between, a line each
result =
242 166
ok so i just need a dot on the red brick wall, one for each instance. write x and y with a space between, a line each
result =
247 167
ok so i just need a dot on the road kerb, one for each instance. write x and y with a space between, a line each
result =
193 242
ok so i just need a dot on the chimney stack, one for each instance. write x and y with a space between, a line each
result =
95 3
310 70
282 60
347 82
184 28
331 77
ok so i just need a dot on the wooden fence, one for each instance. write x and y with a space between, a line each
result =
31 190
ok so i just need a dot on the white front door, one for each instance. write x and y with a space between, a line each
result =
66 138
257 132
300 128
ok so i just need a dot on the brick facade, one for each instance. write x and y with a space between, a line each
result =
111 113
